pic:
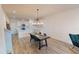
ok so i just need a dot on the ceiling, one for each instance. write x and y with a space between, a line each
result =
26 11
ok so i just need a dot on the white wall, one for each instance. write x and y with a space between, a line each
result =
60 25
2 26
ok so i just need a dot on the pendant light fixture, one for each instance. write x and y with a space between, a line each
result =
37 21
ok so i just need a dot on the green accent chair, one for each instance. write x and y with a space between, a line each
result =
75 39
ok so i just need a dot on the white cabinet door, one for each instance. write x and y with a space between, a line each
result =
8 36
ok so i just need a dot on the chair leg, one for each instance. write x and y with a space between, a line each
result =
46 42
39 45
30 39
73 47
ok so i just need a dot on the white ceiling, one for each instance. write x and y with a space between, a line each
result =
29 10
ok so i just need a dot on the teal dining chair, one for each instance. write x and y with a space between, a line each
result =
75 39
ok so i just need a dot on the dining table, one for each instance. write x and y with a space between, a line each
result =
41 38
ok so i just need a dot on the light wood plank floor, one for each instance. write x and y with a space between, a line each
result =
23 46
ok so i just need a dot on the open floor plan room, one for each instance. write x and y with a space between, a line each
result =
39 28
